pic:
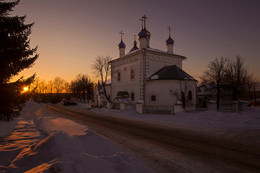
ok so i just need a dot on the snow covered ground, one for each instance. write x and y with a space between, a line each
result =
38 141
243 127
248 119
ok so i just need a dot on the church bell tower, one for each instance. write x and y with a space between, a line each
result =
144 36
121 45
169 42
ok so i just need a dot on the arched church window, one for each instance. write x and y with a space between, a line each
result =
189 95
118 76
153 98
132 74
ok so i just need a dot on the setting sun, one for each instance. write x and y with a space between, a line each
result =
25 89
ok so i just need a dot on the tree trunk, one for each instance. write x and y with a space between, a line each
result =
218 95
234 93
84 96
105 92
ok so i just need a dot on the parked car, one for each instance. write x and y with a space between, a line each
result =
67 103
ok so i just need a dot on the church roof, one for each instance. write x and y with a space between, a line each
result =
144 33
151 50
172 72
169 41
134 47
121 44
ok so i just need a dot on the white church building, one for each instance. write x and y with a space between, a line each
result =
150 77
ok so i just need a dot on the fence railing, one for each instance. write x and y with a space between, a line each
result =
167 109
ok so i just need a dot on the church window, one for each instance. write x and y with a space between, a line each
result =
132 74
153 98
189 95
118 76
133 96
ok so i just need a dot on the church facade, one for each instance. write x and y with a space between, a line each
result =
151 77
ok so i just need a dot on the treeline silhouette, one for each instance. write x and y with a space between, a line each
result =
53 91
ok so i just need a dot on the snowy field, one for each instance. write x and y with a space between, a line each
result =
38 141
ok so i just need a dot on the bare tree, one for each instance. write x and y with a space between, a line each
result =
34 87
250 82
58 84
42 86
237 76
50 86
101 68
215 74
82 87
66 87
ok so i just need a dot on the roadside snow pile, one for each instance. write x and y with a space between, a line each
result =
248 119
6 127
61 152
49 144
23 136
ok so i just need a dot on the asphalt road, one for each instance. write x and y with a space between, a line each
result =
169 149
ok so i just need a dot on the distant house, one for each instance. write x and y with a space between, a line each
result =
207 94
152 77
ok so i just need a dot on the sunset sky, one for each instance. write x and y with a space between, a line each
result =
70 34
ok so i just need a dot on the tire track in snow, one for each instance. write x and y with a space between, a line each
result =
173 140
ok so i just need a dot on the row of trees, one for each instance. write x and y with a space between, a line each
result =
82 88
229 75
58 85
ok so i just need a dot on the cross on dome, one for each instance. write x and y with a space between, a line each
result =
143 20
169 28
121 33
121 44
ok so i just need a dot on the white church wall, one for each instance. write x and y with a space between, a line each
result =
161 89
126 83
165 91
155 62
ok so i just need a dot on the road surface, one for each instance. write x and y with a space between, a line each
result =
168 149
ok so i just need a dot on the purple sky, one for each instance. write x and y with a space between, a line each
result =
70 34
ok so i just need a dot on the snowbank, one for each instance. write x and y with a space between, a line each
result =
241 127
41 142
61 152
249 119
6 127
